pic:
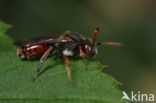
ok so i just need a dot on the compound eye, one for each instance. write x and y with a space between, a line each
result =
88 50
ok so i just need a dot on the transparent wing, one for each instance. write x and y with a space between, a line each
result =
37 41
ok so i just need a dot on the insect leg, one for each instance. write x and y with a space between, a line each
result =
67 67
112 44
45 55
82 56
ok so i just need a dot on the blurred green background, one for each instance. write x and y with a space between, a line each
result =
132 22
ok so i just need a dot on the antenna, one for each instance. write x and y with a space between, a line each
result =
95 35
112 44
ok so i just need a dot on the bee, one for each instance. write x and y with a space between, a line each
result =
66 45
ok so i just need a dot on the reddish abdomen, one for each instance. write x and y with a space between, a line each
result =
35 52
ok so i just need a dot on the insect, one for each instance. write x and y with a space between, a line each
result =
65 45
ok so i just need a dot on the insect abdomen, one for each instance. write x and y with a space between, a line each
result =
32 52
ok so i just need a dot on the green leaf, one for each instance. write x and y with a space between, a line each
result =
5 41
91 86
3 27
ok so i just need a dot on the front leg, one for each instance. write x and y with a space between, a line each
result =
82 56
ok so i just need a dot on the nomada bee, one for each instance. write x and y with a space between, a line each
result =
65 45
